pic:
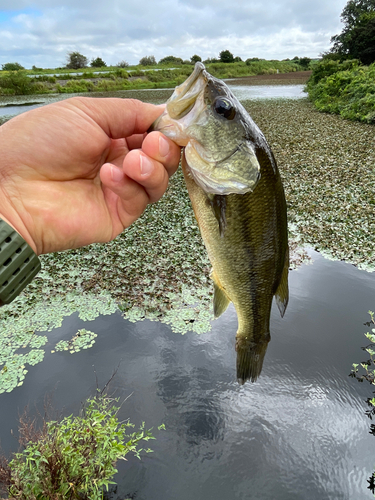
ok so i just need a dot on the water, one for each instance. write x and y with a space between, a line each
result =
298 433
14 105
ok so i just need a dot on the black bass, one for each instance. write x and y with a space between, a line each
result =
239 203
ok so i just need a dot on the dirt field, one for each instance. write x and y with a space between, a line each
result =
297 78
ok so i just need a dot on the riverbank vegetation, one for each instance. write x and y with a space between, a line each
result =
343 82
73 457
367 372
23 82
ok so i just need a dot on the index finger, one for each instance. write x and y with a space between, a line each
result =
118 117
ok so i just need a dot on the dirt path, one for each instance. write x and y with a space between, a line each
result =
296 78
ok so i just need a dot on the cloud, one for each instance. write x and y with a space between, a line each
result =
124 29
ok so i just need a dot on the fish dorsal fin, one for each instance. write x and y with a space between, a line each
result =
282 292
221 300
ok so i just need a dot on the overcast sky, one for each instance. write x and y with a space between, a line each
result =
42 32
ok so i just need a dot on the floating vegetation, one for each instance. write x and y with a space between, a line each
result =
20 345
158 268
327 166
83 339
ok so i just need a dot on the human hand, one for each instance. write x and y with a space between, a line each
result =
79 171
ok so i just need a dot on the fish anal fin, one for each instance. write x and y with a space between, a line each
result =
282 292
221 299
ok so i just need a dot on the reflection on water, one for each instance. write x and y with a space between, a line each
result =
298 433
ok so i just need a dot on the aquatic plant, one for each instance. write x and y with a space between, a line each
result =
326 164
74 457
368 373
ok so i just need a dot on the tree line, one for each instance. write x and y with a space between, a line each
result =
76 60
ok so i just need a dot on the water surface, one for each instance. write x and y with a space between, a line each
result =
14 105
298 433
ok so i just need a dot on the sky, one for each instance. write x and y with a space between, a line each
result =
43 32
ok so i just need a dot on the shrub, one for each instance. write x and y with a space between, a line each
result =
122 64
74 458
171 60
76 61
11 66
349 91
148 61
98 63
195 59
226 56
16 83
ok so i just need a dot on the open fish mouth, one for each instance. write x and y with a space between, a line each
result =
185 95
204 116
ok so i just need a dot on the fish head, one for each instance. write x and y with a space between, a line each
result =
205 117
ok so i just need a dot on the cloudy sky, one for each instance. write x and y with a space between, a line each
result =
42 32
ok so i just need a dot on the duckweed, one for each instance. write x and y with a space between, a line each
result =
158 268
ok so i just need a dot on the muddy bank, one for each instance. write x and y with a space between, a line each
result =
296 78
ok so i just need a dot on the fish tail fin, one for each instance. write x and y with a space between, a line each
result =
250 356
282 292
221 299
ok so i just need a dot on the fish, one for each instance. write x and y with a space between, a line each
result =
238 200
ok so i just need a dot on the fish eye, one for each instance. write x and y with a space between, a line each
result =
224 108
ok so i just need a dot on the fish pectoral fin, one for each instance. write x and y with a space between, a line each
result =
282 292
221 299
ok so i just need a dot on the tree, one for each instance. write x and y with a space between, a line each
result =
122 64
171 60
195 59
357 39
11 66
76 60
226 56
148 61
98 63
304 62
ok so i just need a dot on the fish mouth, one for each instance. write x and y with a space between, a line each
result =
176 118
185 95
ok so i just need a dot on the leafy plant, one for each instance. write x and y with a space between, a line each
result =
15 66
344 88
75 60
148 61
16 83
98 63
226 56
74 458
368 374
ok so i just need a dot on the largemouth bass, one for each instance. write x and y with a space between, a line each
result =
239 203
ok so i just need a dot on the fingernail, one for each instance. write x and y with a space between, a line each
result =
117 174
146 165
163 146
